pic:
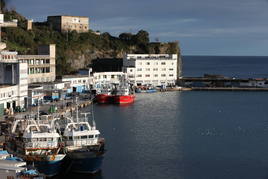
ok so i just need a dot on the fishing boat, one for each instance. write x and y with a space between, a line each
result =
104 96
123 96
146 90
83 145
37 144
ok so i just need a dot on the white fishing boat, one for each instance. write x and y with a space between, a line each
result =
37 144
83 145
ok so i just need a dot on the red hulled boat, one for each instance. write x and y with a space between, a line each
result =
104 97
123 96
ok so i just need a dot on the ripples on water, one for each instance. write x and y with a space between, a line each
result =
186 135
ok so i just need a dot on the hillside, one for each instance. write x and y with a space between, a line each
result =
75 51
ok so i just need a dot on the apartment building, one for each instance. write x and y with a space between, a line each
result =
69 23
151 69
41 67
13 81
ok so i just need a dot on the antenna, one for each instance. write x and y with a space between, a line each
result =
85 115
77 116
93 120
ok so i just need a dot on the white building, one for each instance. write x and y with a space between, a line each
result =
13 81
151 69
78 83
107 77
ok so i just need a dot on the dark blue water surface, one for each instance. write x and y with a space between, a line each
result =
243 67
191 134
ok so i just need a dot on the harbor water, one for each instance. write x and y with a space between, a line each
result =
189 134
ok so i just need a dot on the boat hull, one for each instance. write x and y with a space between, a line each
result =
104 98
85 162
50 167
124 99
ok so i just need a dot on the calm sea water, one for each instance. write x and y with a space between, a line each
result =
191 134
243 67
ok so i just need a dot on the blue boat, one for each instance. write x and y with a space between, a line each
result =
149 90
83 145
38 145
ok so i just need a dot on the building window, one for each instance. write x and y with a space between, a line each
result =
139 75
171 75
163 75
147 69
147 75
156 75
139 69
171 69
156 63
163 69
112 76
131 70
147 63
155 69
163 63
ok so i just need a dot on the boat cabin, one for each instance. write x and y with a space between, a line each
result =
80 134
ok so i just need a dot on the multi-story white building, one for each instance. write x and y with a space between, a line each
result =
41 67
151 69
13 81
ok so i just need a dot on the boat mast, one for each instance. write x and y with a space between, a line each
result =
85 116
77 116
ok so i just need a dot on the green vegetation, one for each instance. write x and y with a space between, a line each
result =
72 46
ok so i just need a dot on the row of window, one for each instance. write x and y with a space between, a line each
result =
154 63
6 95
108 76
155 75
39 139
155 69
79 81
36 80
8 57
36 62
82 137
152 57
70 26
38 70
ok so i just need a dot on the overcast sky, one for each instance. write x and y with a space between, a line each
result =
202 27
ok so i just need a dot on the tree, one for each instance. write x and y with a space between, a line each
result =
125 36
142 37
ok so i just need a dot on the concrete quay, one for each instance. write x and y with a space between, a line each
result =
216 89
63 107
